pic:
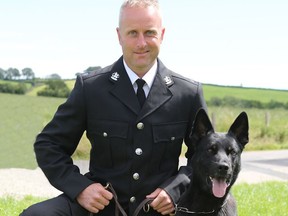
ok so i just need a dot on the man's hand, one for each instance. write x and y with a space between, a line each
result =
162 202
94 198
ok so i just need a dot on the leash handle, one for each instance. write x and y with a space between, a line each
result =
145 205
118 206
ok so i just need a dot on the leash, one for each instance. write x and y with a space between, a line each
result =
145 204
187 211
118 206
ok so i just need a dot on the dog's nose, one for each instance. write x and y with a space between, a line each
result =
223 167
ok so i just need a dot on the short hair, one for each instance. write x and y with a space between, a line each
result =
139 3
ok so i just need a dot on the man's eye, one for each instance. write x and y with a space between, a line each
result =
133 33
150 33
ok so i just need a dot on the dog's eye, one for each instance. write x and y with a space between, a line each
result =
213 149
231 151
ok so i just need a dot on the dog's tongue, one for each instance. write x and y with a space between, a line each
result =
219 187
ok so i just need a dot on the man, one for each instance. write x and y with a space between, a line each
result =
134 147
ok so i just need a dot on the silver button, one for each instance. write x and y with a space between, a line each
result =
140 125
172 138
138 151
132 199
136 176
105 134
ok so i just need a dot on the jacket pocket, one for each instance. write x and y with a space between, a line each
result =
109 146
168 139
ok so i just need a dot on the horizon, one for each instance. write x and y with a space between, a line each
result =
222 43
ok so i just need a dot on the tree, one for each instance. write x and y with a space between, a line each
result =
92 69
9 74
2 73
54 76
28 73
12 73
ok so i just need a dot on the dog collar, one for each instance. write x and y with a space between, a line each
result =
187 211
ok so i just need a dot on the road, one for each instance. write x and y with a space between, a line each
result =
257 166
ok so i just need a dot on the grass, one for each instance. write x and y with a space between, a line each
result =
262 95
10 206
264 134
263 199
22 118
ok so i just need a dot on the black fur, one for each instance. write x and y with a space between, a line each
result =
215 156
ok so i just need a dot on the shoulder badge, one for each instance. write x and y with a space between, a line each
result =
115 76
168 80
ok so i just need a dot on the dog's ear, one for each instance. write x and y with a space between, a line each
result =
240 129
201 126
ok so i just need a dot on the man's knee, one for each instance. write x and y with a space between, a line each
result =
52 207
35 210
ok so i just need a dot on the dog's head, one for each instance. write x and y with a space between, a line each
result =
216 156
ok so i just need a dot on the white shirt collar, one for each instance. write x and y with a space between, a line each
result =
148 77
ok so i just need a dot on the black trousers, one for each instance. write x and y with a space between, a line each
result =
62 206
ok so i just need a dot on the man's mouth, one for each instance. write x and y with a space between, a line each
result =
141 53
219 186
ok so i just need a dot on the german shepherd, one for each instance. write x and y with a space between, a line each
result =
215 161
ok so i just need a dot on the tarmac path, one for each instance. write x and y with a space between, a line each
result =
258 166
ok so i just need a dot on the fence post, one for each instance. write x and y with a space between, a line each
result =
267 119
213 117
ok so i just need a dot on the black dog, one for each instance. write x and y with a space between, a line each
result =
215 162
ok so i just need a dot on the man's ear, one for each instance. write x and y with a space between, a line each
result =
119 35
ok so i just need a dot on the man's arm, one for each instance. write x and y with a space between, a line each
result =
58 141
176 185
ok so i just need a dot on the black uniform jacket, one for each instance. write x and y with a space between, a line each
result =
137 150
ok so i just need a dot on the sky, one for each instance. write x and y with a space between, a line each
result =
222 42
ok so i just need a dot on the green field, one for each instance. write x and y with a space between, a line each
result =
262 95
24 116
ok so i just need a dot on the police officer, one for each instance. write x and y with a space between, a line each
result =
136 114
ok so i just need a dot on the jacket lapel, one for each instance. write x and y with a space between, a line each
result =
159 93
123 89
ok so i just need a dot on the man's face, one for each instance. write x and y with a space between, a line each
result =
140 34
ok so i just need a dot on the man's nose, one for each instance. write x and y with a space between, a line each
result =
141 41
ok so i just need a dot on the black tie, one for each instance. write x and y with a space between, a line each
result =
140 92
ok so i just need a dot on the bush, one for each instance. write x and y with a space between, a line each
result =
20 88
241 103
55 88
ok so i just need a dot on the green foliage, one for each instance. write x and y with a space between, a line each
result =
70 83
55 88
264 199
19 88
242 103
9 206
